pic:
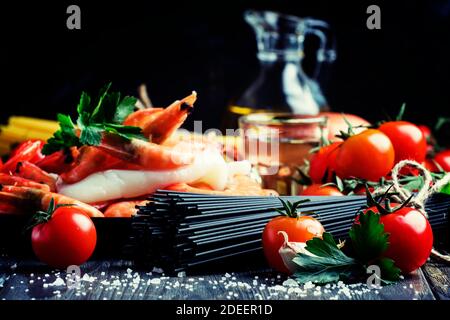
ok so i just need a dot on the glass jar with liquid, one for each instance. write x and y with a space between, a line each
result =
282 85
277 144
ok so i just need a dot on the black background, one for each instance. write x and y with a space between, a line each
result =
206 46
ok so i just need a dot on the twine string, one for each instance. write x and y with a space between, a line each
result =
418 201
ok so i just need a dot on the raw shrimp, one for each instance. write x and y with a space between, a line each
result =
158 125
10 180
32 172
90 160
239 185
35 199
148 155
124 209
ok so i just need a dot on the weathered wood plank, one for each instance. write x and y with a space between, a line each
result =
438 276
112 280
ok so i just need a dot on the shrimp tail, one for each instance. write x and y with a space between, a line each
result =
159 124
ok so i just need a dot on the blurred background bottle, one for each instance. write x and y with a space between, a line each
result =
282 85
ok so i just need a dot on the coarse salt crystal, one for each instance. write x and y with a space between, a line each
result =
58 282
290 283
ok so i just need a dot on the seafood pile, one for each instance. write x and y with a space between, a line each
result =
107 169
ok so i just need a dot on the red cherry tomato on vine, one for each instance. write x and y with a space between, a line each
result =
430 165
426 132
299 229
408 140
67 238
322 163
443 159
368 155
319 190
410 237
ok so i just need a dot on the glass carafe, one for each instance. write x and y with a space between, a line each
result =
282 85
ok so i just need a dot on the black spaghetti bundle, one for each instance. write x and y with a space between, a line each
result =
178 231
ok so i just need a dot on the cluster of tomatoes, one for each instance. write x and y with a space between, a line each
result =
371 154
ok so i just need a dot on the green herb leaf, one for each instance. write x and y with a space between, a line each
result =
368 237
63 138
105 115
91 135
389 271
124 108
329 263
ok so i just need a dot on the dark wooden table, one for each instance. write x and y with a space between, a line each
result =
121 279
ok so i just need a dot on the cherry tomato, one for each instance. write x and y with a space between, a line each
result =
426 132
430 165
319 190
68 238
337 122
408 140
299 229
27 151
368 155
322 163
410 237
443 159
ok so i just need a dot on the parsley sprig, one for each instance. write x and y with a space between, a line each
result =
105 114
329 263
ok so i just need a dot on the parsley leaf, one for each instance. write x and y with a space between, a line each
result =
63 138
368 237
329 263
95 117
389 271
124 108
369 242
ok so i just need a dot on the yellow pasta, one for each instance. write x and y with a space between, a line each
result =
33 124
11 134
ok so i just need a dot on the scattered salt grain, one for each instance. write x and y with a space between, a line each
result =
290 283
57 283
